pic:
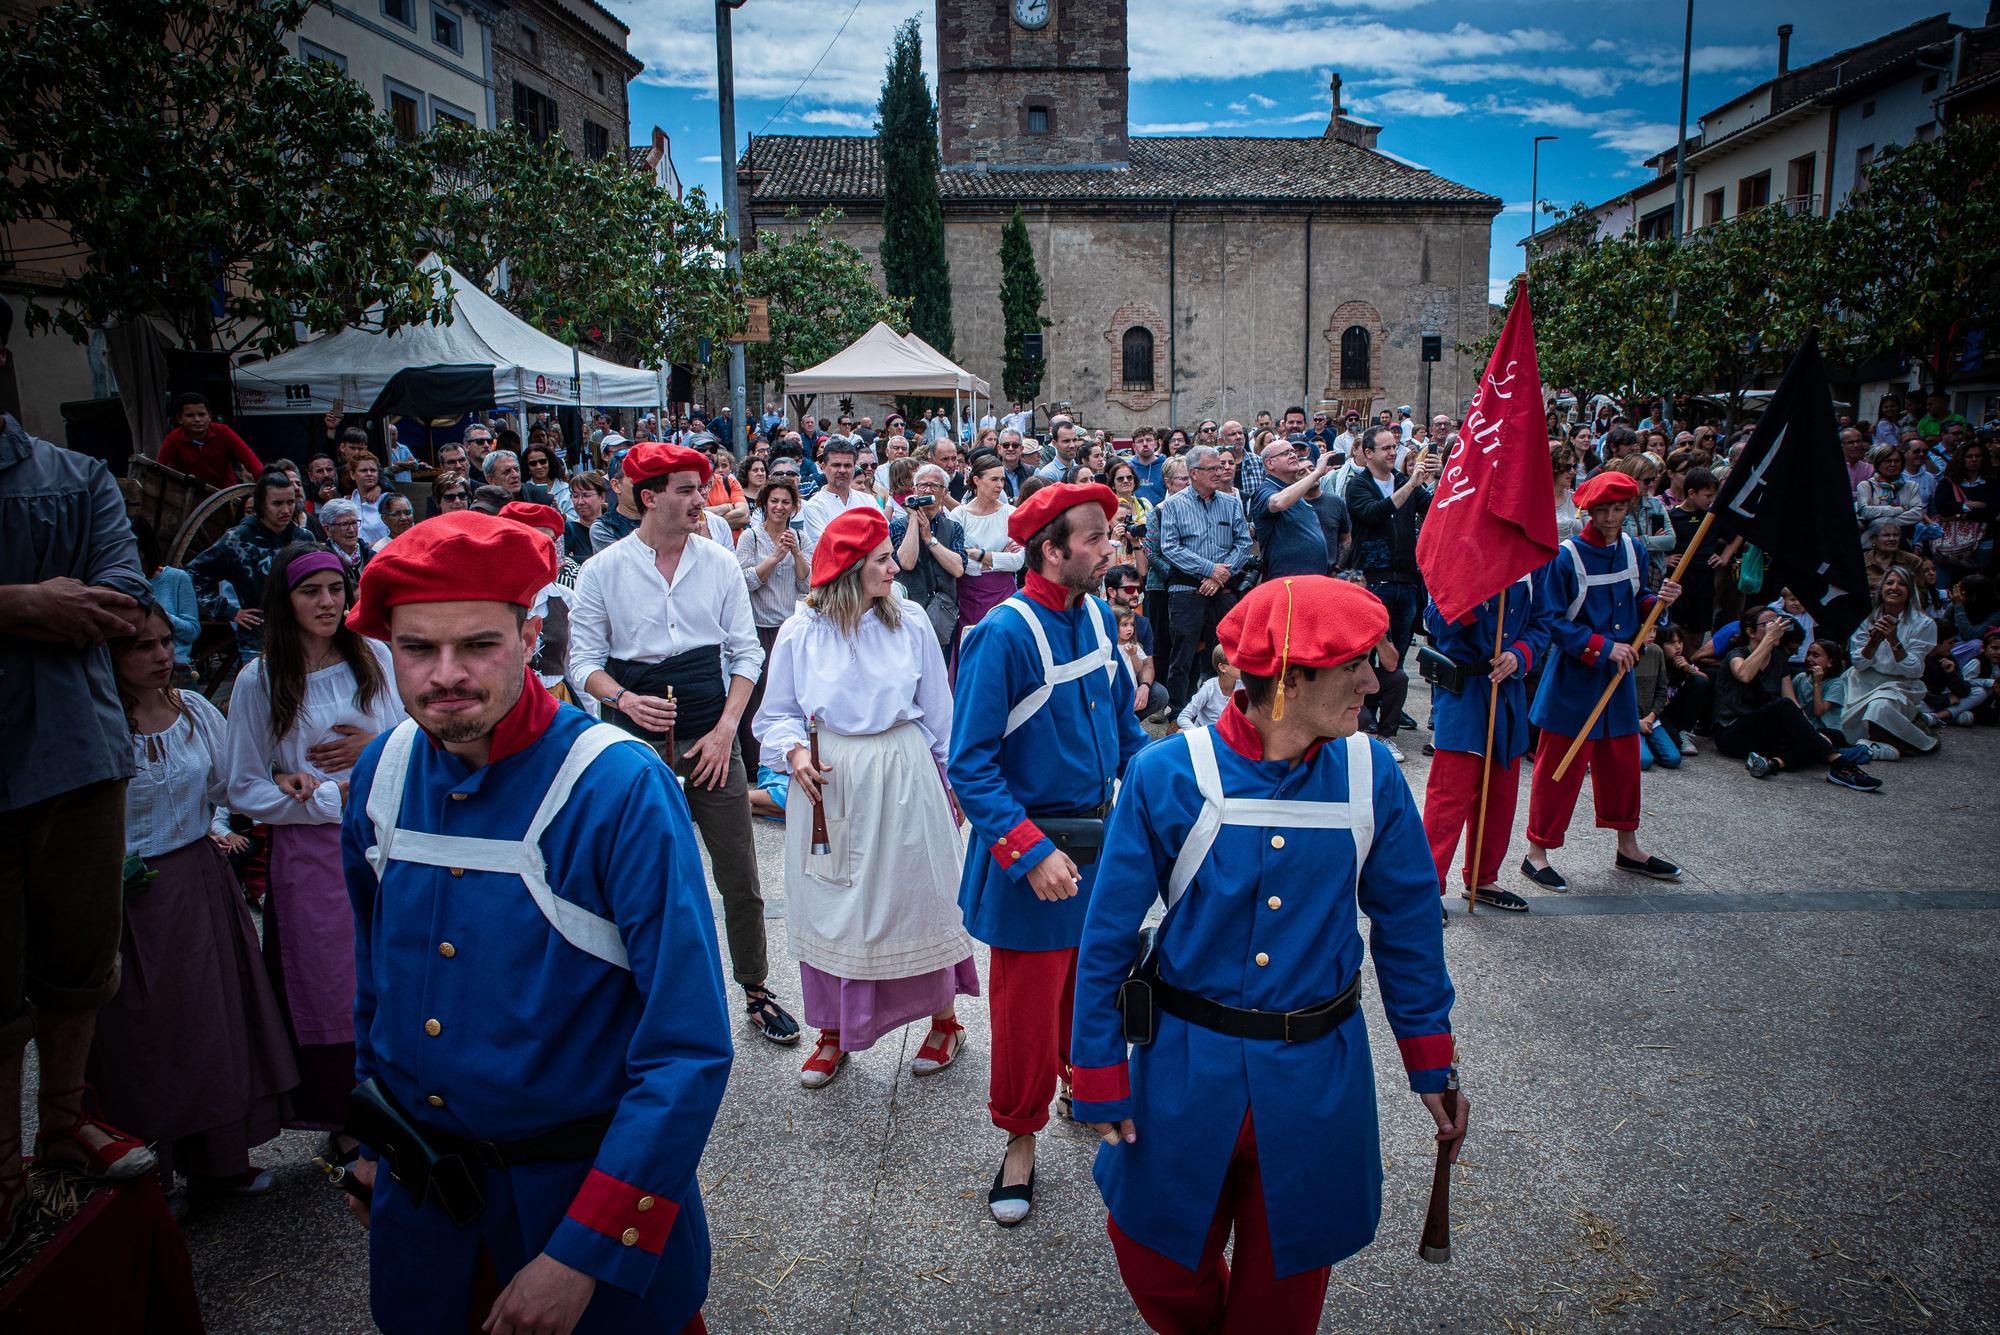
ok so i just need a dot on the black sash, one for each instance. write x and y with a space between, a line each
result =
699 691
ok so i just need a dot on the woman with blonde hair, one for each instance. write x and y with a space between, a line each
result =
1647 521
873 912
1885 684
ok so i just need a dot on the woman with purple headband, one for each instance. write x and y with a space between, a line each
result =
298 720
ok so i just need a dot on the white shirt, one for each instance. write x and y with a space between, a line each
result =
774 599
1206 706
329 702
176 796
1020 422
373 530
719 530
989 534
622 607
857 686
825 507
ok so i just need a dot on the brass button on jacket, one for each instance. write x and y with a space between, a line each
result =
433 1028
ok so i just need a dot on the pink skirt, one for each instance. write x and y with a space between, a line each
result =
865 1009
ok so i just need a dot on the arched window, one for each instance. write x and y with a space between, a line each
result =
1138 349
1354 373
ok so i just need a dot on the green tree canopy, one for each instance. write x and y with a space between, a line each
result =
1021 308
185 166
823 296
913 258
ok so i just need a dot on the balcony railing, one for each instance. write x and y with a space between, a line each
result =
1797 205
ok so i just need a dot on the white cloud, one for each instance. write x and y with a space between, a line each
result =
1263 102
1182 127
1410 102
709 157
1521 208
776 42
850 120
1602 46
1497 290
1542 111
1638 140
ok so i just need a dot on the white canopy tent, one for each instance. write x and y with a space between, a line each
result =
882 362
348 369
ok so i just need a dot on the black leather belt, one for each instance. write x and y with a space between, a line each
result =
1299 1026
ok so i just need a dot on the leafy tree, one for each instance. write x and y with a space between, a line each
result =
1918 250
590 252
171 159
823 296
1021 308
913 258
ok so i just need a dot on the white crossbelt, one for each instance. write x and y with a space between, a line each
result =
1625 574
523 857
1356 814
1055 674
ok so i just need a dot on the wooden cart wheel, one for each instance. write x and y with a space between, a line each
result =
214 516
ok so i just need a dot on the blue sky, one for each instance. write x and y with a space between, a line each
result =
1460 88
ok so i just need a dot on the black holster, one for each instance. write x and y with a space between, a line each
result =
1080 835
1137 1007
421 1167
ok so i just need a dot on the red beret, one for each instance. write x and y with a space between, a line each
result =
656 458
1040 509
1606 488
534 516
465 556
1301 621
847 541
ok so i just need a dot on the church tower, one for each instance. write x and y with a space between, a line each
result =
1032 84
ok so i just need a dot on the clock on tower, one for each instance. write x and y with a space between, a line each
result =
1032 84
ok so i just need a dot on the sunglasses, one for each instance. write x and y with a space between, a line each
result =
453 495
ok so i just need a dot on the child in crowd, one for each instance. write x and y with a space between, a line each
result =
1689 690
1208 702
1822 688
1657 744
1129 646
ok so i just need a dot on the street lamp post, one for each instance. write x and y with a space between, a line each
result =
1535 182
725 97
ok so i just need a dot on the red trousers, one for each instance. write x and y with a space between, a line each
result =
1030 995
1613 763
1451 805
1247 1299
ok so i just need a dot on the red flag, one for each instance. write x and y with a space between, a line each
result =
1493 519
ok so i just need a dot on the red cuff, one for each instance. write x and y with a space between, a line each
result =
1593 651
1431 1052
1100 1084
1015 842
622 1211
1520 651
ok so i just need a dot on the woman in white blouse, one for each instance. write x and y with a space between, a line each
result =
775 565
191 1054
992 559
299 718
1885 684
874 921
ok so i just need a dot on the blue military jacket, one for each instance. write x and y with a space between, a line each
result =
1019 750
1268 921
482 1017
1596 595
1458 719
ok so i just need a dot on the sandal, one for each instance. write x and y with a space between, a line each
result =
1010 1205
119 1159
941 1048
820 1068
768 1018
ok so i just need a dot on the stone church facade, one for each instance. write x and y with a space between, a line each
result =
1187 277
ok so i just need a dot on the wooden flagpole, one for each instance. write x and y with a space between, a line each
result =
1576 742
1485 768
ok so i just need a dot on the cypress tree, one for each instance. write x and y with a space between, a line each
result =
913 261
1021 308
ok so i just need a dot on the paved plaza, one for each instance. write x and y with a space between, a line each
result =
1749 1101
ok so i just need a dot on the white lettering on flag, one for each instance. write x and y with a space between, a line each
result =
1755 481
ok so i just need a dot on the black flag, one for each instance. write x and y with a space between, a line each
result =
1790 495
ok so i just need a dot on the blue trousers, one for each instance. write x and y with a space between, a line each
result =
1658 748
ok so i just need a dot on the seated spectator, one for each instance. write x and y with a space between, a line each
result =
1758 718
1690 690
1888 495
343 534
204 448
589 494
543 465
1213 696
403 464
1965 500
503 470
1886 552
1821 690
1885 685
397 515
449 492
1657 744
1975 608
491 499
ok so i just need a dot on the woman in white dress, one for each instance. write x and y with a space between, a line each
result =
993 560
1885 685
874 921
191 1053
298 720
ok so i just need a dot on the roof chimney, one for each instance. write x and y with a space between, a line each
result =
1784 49
1336 95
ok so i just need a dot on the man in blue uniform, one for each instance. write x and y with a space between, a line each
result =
540 1032
1043 729
1260 834
1595 591
1458 720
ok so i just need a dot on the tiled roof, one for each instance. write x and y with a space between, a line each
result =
847 169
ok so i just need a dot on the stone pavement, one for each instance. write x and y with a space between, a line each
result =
1747 1101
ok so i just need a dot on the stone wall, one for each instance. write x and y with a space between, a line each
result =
1243 335
991 71
572 56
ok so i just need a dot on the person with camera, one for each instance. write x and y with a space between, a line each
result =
1205 543
930 553
1042 730
873 918
1758 716
541 1043
1287 528
1386 506
1236 1030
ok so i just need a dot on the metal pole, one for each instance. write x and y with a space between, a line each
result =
725 97
1680 141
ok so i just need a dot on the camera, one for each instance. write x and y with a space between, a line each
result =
920 502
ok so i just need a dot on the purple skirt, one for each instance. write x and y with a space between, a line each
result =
192 1051
865 1009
